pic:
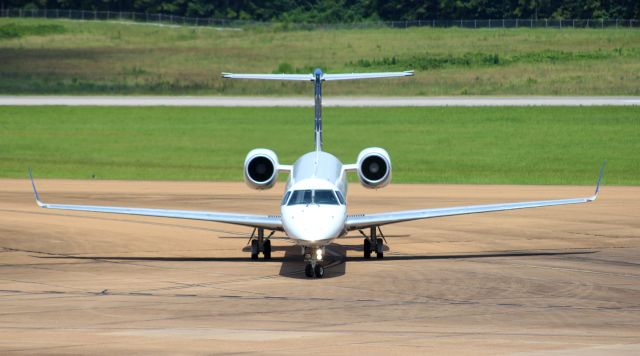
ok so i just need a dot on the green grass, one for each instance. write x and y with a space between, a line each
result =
543 145
42 56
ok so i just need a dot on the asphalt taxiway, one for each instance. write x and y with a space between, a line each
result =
562 279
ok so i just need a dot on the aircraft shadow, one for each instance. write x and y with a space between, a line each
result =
292 263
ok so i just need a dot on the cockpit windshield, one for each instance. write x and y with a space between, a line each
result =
309 196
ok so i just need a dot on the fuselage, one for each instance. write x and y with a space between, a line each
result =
314 207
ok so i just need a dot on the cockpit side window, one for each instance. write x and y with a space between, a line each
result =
286 198
340 197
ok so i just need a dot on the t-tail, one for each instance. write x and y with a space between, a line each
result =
317 77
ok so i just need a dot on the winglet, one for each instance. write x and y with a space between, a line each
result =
595 195
35 191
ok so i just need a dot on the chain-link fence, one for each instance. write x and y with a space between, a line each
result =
164 19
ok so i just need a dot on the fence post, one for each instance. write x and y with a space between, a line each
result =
516 23
502 23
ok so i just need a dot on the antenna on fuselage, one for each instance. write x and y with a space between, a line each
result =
317 77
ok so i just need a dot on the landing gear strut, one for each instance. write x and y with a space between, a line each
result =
260 243
313 262
373 244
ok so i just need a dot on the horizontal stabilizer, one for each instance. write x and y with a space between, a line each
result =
350 76
300 77
310 77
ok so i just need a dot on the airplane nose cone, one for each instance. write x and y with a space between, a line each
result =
314 223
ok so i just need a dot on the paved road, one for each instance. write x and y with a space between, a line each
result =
308 101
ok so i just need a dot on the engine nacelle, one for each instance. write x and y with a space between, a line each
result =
261 168
374 167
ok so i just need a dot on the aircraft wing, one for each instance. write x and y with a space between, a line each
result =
269 222
356 222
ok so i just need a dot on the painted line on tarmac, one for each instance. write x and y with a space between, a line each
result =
308 101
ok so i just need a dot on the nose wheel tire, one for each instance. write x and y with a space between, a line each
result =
308 270
317 271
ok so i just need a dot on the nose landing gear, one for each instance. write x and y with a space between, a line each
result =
313 262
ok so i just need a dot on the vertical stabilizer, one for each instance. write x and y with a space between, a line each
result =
318 108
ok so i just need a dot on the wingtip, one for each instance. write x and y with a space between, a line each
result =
595 195
35 191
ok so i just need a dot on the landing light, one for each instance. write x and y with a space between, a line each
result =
319 254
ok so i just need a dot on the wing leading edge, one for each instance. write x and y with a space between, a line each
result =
261 221
355 222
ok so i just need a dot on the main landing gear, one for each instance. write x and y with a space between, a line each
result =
260 243
373 244
313 262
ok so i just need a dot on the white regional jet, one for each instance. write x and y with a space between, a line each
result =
313 212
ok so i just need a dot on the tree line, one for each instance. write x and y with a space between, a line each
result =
334 11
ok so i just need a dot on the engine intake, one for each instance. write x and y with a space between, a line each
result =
374 168
261 169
